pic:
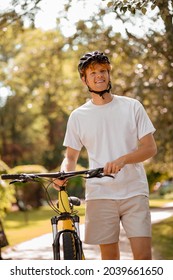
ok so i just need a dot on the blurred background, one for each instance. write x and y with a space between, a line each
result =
40 46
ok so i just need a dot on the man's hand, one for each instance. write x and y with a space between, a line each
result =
57 183
68 164
115 166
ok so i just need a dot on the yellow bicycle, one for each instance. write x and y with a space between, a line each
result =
65 225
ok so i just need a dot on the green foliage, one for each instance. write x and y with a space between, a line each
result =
30 168
4 168
37 102
166 188
76 187
6 198
154 177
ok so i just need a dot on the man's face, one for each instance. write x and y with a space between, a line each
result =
97 77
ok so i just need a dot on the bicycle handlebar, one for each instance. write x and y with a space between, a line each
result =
24 177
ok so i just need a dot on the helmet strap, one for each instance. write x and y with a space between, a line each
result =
102 91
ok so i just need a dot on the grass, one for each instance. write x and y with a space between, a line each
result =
163 239
158 201
155 203
162 232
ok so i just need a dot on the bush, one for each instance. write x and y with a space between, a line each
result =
166 187
154 177
3 167
29 194
7 193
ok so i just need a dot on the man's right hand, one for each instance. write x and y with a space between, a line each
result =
57 183
68 164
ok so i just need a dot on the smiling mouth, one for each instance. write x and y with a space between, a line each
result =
100 82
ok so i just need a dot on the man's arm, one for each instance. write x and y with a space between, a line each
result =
68 164
70 160
147 148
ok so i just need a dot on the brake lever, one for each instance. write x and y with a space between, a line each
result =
18 181
111 176
99 175
24 179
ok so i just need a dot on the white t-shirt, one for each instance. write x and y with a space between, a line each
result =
108 132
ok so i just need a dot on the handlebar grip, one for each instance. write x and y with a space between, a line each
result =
10 176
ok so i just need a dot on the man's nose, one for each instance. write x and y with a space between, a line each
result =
99 74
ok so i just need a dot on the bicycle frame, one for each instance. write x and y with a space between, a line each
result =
66 222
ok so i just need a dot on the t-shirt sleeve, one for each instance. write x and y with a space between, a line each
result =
72 138
144 124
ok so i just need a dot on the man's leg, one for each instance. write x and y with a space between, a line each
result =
110 251
136 220
141 248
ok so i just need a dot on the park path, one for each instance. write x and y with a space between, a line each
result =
40 248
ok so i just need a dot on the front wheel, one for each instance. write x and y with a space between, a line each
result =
69 246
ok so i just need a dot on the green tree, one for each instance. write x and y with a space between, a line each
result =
35 78
159 50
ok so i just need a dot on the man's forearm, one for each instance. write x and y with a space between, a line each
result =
140 155
68 165
146 150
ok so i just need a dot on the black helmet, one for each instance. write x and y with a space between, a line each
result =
87 58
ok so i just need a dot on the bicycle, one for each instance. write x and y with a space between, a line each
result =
65 225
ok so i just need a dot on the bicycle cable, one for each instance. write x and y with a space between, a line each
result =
48 198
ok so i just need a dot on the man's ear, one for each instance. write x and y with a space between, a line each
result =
83 80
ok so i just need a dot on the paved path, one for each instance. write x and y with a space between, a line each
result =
40 248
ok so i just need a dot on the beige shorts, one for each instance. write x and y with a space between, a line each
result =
103 216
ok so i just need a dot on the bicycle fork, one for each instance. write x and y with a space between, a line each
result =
70 224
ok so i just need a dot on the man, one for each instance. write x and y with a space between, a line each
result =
117 134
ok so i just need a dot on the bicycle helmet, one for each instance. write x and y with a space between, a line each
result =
90 57
86 60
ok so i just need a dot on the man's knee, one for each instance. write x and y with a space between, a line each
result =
141 248
110 251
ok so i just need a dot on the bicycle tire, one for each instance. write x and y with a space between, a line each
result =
69 246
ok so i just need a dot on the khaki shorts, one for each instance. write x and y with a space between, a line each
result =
103 216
